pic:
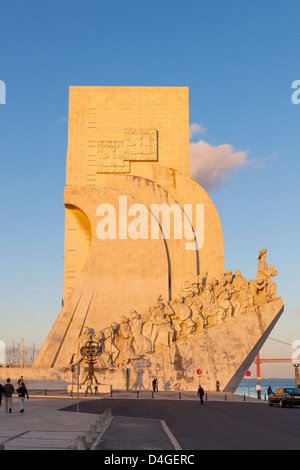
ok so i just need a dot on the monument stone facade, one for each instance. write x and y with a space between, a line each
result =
144 276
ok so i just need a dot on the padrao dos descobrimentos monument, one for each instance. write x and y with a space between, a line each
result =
144 278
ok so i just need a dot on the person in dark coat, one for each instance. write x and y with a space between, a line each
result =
22 392
201 394
8 391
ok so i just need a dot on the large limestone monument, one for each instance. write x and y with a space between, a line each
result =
145 290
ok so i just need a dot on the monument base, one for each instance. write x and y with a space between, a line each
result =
37 379
223 352
95 389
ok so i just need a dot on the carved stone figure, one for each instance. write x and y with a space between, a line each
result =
235 301
123 343
110 340
229 279
192 286
223 298
193 301
139 344
213 312
242 292
198 316
266 272
206 303
214 282
183 314
239 282
257 288
162 332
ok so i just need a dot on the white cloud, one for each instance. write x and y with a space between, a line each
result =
261 163
196 129
211 166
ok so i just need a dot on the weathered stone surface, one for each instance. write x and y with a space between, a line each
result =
156 302
223 353
105 279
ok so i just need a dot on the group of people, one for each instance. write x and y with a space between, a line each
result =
258 391
7 391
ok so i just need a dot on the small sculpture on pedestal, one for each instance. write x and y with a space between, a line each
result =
91 351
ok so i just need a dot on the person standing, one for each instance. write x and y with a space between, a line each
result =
22 392
89 386
20 381
154 385
258 390
8 392
201 394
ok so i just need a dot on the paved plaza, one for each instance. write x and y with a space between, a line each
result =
163 423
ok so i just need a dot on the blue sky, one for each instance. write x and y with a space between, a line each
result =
238 59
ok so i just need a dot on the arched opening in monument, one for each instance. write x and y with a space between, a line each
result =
78 237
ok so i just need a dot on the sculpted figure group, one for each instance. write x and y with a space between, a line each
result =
202 304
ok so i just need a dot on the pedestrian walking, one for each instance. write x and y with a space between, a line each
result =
201 394
1 393
258 390
217 386
89 386
8 392
154 385
22 392
20 381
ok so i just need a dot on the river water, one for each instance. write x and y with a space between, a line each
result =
248 386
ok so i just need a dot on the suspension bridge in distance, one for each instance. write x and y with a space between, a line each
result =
274 351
